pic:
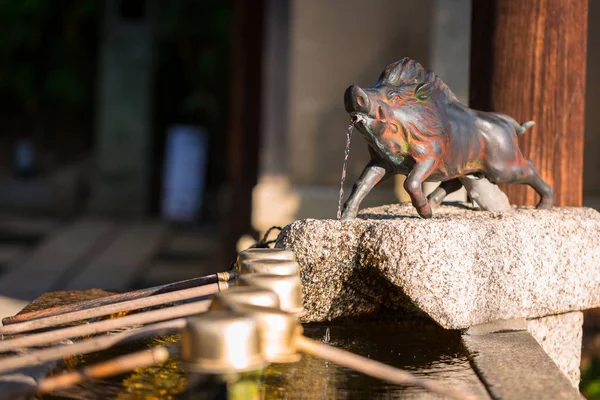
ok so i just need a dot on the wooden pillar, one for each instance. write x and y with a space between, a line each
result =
528 60
245 119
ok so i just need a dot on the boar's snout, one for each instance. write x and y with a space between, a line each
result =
356 100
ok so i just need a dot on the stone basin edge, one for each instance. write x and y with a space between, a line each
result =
461 268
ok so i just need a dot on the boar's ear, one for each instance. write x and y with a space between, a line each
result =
423 90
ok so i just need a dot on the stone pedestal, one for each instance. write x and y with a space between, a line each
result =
512 365
560 336
461 268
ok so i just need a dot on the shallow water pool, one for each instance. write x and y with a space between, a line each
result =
421 348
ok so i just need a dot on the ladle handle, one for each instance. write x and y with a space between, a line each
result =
117 298
128 305
375 368
94 328
112 367
37 357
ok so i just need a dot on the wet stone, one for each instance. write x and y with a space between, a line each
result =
512 365
461 268
561 336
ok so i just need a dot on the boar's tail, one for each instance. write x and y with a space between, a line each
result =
519 129
523 127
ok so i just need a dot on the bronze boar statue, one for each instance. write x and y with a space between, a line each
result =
415 126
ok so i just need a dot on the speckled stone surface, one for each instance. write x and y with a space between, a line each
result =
512 365
560 336
460 268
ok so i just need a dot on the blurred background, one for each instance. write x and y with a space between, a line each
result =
146 141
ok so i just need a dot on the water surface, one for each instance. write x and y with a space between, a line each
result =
423 349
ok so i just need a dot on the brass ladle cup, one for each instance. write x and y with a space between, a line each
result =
265 254
221 342
278 329
282 340
288 288
269 266
249 295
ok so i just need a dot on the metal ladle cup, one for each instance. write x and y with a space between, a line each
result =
269 266
248 295
288 288
264 254
221 343
278 332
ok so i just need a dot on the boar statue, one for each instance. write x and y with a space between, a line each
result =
415 126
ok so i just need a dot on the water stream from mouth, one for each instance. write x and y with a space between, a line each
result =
344 168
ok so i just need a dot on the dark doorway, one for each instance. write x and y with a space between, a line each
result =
192 88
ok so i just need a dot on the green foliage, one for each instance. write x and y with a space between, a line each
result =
49 53
44 57
195 42
194 72
590 380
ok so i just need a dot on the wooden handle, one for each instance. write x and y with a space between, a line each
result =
116 298
37 357
162 314
129 305
112 367
375 368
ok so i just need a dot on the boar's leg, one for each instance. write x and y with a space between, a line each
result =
532 178
414 186
437 196
371 175
487 195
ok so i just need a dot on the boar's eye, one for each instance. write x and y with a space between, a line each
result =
393 97
423 91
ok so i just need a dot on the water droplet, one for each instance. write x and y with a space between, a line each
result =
327 337
344 168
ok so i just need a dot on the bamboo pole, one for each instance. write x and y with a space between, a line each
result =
112 367
375 368
156 300
87 346
116 298
95 328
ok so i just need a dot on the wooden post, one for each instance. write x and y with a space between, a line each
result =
528 60
245 113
